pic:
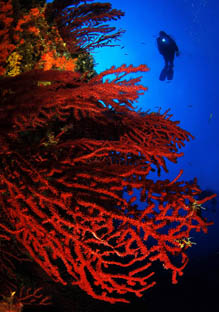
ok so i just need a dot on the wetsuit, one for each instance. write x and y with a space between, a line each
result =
168 48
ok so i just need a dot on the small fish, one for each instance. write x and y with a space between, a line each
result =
210 117
122 47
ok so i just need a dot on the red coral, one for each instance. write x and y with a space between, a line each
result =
62 194
73 150
80 23
15 301
6 47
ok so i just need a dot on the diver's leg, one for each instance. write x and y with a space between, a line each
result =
163 74
171 60
166 60
170 72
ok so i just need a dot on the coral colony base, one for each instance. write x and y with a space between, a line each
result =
71 146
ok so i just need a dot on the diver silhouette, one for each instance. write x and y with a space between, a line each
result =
168 48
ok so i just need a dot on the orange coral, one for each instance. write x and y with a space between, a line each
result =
50 61
34 30
45 49
27 18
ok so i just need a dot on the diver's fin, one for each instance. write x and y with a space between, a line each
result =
170 73
163 74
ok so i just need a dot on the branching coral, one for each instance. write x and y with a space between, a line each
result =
62 194
70 148
15 302
80 23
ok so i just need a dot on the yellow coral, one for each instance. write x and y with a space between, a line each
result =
14 61
185 242
44 83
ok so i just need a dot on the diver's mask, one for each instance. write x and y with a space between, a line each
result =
165 40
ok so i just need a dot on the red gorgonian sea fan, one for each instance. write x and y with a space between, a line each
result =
80 23
71 147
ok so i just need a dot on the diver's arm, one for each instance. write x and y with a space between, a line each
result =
158 45
176 49
174 45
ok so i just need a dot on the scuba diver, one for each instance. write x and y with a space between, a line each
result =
168 48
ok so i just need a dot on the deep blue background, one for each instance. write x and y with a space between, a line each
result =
193 99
